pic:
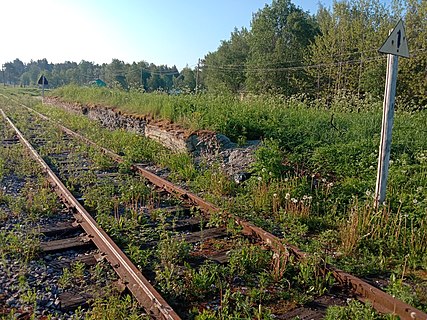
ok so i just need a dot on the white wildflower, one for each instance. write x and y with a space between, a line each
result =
404 215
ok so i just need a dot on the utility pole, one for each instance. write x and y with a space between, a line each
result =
197 76
4 78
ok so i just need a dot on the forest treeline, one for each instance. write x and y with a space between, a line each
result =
285 51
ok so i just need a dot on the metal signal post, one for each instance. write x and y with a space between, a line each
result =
395 45
43 81
386 129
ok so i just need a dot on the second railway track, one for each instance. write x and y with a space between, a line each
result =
198 263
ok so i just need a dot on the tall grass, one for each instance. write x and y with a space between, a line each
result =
327 154
339 141
393 233
266 116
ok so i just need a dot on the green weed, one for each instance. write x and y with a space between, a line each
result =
112 307
66 279
355 310
19 244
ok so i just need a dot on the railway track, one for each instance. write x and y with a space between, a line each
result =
180 224
48 265
128 272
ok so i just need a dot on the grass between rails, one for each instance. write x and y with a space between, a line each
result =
313 183
26 199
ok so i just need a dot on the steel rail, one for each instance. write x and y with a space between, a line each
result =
140 287
380 300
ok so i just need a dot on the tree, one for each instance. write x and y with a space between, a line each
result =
13 71
154 82
186 81
346 49
34 72
167 75
121 82
86 73
72 75
133 75
160 77
224 69
117 73
114 73
278 42
44 65
25 79
412 83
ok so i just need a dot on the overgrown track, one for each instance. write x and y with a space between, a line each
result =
143 291
147 295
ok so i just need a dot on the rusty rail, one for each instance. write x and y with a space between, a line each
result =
140 287
380 300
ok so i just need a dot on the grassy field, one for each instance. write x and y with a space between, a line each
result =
314 177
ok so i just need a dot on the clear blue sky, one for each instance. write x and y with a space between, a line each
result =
172 32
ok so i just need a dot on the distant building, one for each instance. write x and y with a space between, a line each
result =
98 82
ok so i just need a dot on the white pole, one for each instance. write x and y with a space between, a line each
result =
386 129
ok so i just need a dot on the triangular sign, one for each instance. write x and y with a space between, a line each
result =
396 42
43 80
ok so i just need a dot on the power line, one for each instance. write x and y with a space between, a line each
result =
246 68
160 72
301 61
303 67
